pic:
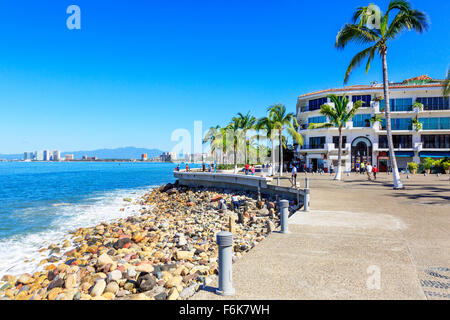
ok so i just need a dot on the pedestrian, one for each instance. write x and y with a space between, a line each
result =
304 167
369 171
294 176
203 167
357 167
246 168
375 170
235 201
363 165
253 170
177 168
331 168
187 167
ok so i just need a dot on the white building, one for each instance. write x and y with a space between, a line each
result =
365 140
56 155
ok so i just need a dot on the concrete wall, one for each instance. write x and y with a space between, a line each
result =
237 182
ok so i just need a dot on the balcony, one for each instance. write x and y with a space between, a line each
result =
313 147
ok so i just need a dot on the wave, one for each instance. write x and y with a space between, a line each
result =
22 253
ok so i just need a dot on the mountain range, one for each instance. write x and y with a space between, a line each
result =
117 153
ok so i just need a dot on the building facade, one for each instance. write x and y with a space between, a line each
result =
364 138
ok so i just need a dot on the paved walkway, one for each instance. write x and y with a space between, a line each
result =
355 231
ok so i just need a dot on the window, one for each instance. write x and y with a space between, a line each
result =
434 103
361 120
336 141
365 98
403 104
398 124
435 123
320 119
316 103
436 141
316 143
399 141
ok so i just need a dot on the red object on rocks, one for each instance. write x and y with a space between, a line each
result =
216 198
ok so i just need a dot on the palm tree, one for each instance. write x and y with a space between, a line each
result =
281 121
338 115
234 126
246 122
212 137
446 88
266 124
378 36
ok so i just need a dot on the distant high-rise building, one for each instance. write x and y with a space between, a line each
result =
56 155
47 155
144 157
39 155
69 157
28 156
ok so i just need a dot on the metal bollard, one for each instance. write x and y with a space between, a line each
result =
278 181
306 183
284 216
225 243
306 200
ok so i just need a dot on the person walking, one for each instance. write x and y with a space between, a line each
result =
187 167
357 167
331 168
253 170
294 176
363 165
246 168
375 170
369 171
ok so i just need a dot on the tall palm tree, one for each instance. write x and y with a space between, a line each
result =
266 124
338 115
234 127
281 121
211 137
446 88
378 36
246 122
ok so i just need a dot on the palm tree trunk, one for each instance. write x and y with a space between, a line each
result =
338 169
272 141
245 144
235 158
397 181
281 154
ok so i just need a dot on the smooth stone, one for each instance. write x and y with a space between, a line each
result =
98 289
115 275
112 287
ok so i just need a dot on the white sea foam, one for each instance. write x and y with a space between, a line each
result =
14 251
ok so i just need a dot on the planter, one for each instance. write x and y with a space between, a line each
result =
447 171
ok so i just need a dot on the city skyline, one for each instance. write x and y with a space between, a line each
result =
165 66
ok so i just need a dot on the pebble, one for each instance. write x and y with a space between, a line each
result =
164 252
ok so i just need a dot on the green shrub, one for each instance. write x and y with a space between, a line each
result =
428 163
446 165
412 166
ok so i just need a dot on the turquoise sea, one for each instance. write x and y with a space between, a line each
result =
40 202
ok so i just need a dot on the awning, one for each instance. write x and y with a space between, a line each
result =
434 154
403 154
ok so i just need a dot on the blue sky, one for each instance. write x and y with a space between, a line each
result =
137 70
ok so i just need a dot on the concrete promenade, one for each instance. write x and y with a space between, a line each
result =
361 240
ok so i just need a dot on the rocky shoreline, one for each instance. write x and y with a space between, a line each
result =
168 252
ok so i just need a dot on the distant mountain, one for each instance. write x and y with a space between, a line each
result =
118 153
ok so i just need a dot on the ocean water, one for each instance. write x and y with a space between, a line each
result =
41 202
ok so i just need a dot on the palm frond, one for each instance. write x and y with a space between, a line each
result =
355 33
356 61
320 125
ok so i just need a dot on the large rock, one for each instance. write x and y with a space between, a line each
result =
115 275
146 282
121 243
112 287
184 255
103 260
144 267
98 289
25 279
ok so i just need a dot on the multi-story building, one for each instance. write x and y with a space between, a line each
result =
28 156
56 155
39 155
47 155
69 157
365 139
144 157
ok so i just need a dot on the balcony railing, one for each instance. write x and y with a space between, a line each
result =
313 146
